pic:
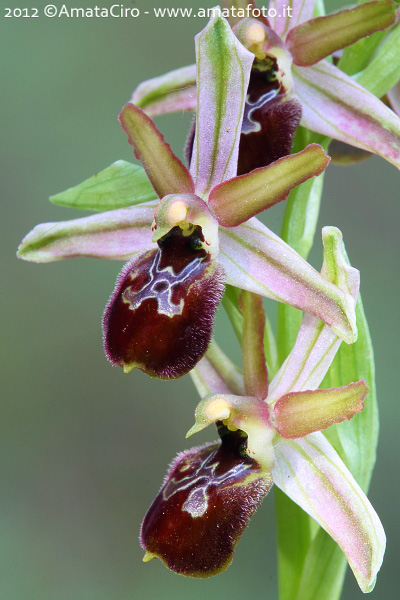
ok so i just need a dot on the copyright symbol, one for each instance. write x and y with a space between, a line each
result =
50 10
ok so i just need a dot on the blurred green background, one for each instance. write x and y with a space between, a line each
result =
84 447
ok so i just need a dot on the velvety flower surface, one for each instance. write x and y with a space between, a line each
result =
213 487
161 315
201 232
332 103
274 436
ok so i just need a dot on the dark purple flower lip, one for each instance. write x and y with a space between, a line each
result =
205 503
272 113
160 316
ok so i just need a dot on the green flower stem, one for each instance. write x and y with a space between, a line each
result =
294 537
295 528
298 230
357 56
323 570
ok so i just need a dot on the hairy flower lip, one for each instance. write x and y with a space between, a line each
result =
160 317
207 497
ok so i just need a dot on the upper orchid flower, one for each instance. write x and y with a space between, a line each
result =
185 246
268 435
327 100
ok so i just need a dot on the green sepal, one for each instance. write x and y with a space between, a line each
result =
119 185
356 440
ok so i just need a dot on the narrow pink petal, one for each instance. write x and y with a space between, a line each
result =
299 413
241 198
320 37
223 71
316 343
308 362
117 234
168 175
215 373
184 100
336 106
256 259
284 19
207 380
171 92
311 473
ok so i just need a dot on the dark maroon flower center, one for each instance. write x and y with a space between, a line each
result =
270 118
204 505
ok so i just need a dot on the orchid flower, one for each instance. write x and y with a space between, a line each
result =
292 76
269 434
200 231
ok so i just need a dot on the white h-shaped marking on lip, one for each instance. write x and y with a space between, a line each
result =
168 280
249 125
197 501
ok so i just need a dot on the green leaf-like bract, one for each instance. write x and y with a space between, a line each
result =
119 185
356 440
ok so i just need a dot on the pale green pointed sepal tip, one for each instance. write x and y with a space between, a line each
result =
191 431
198 426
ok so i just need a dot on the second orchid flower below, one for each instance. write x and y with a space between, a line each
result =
269 434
